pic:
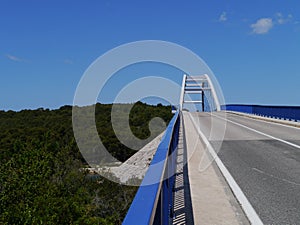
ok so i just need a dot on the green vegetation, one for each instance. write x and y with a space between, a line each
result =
40 177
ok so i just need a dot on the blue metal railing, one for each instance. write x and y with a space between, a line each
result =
281 112
153 201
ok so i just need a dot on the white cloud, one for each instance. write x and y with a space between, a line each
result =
223 17
14 58
262 26
281 19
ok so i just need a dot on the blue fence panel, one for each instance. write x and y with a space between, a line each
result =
239 108
153 201
281 112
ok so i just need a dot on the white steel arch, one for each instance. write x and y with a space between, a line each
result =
198 85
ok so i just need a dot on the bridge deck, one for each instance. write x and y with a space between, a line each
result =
262 157
212 200
260 161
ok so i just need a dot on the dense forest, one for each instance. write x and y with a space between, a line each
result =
41 180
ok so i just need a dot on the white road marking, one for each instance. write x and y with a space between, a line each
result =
264 119
259 132
240 196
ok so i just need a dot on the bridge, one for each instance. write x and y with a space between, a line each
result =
222 164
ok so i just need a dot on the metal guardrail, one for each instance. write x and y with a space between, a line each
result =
153 201
280 112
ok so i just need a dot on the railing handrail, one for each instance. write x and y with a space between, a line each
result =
143 208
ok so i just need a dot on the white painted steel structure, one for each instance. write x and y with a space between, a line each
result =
198 85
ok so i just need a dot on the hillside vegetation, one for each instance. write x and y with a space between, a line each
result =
40 177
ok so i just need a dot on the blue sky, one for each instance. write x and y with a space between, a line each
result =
253 47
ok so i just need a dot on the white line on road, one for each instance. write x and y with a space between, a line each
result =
272 121
259 132
246 205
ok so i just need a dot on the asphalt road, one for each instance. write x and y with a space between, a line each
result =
263 158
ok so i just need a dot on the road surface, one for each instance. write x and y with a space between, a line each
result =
263 158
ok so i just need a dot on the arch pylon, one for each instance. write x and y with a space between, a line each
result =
199 85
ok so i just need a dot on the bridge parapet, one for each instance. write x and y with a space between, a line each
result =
153 201
280 112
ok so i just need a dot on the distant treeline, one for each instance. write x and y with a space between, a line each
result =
40 177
